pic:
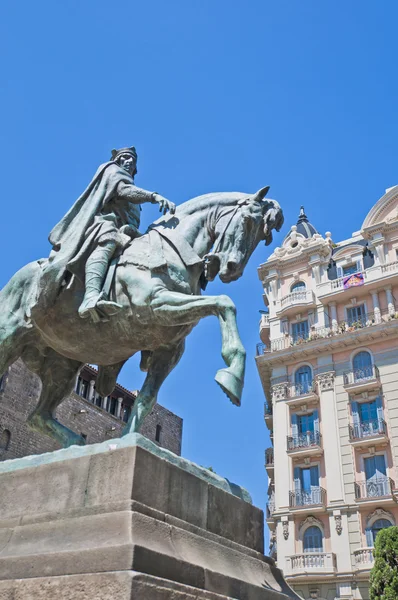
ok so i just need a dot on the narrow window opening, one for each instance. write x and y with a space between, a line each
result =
158 432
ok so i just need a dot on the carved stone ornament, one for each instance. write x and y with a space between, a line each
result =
325 381
379 513
310 521
339 524
279 391
285 529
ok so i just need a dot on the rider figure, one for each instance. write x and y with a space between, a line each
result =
100 225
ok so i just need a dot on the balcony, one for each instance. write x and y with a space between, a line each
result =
294 301
361 380
374 490
364 559
305 444
302 499
270 508
335 335
268 415
369 279
368 433
311 562
264 329
299 393
269 461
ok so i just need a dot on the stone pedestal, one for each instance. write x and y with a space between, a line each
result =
126 520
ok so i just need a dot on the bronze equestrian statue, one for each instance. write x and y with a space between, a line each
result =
107 292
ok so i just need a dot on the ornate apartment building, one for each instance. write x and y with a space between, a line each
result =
328 363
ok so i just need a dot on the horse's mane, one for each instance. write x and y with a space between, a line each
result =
203 202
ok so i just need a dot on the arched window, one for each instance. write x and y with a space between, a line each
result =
362 366
313 540
298 287
378 526
5 438
303 380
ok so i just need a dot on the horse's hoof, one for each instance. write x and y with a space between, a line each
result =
230 384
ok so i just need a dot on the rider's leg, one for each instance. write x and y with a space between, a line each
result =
96 268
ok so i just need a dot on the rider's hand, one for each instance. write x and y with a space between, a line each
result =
164 204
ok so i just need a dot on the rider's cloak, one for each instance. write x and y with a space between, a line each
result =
74 236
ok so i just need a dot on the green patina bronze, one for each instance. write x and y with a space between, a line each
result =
73 308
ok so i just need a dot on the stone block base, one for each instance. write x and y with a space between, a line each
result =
125 520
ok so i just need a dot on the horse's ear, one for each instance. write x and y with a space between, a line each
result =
260 195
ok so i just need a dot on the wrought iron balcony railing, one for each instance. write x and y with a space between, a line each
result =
304 440
367 429
316 496
361 375
374 488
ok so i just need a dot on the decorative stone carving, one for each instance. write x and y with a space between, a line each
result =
380 513
285 529
325 381
279 391
339 524
310 521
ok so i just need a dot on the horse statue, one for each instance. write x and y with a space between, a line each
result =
157 282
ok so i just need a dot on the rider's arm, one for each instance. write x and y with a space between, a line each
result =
137 195
134 194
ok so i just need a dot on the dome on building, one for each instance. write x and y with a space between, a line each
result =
303 227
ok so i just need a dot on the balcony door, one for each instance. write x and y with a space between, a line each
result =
303 380
362 366
376 476
306 483
356 315
313 540
300 331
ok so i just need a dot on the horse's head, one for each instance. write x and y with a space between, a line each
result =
239 230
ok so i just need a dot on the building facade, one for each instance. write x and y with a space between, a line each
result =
84 411
328 363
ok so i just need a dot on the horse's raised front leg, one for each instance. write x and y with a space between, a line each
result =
162 363
173 308
58 376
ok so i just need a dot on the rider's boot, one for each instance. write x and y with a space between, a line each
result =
94 303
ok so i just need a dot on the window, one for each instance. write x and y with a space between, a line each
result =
356 315
98 400
303 380
300 331
305 431
368 418
351 269
158 432
313 540
298 287
112 406
378 526
377 482
126 413
362 366
5 438
83 389
306 486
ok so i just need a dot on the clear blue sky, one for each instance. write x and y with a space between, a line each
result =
215 95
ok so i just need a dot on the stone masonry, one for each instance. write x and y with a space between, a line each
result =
19 392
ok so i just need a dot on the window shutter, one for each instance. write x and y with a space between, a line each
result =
294 425
379 408
369 537
297 479
380 465
339 272
316 421
314 476
359 266
311 318
355 418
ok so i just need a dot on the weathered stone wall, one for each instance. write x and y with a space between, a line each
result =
19 394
